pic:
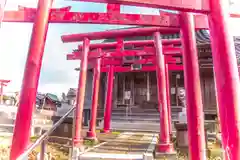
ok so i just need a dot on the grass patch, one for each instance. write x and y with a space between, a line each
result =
214 152
112 132
90 143
34 138
54 152
116 132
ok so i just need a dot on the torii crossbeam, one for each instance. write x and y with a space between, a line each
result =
148 51
118 64
137 43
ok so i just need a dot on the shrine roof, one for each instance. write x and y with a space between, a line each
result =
202 38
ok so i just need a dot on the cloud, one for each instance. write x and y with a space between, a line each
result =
57 73
13 51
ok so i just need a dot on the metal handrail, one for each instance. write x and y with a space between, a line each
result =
43 137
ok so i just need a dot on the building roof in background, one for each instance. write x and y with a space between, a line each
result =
202 38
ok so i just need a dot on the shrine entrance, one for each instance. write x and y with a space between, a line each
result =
214 15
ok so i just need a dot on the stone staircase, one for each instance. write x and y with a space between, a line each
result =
137 119
128 145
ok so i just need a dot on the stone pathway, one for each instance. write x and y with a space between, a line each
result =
128 145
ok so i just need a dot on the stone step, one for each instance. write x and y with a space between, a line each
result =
135 120
67 142
140 110
139 114
136 126
131 119
156 116
140 117
128 145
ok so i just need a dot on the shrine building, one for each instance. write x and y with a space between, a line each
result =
138 90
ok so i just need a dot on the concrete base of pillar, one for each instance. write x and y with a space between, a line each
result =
75 152
165 148
164 156
165 151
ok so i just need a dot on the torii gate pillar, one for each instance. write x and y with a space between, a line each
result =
168 99
227 78
78 116
165 145
108 103
27 100
195 116
91 134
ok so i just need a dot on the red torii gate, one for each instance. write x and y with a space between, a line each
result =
3 83
146 51
224 60
165 146
95 56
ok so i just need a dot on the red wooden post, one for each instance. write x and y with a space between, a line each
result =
30 80
77 139
165 146
226 76
108 108
168 98
91 134
195 116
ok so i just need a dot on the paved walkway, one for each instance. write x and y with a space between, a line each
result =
128 145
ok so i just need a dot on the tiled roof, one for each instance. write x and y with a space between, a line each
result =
202 37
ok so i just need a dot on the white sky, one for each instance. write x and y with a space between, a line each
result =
57 73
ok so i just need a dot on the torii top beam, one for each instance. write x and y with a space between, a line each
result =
118 33
137 43
198 6
63 15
